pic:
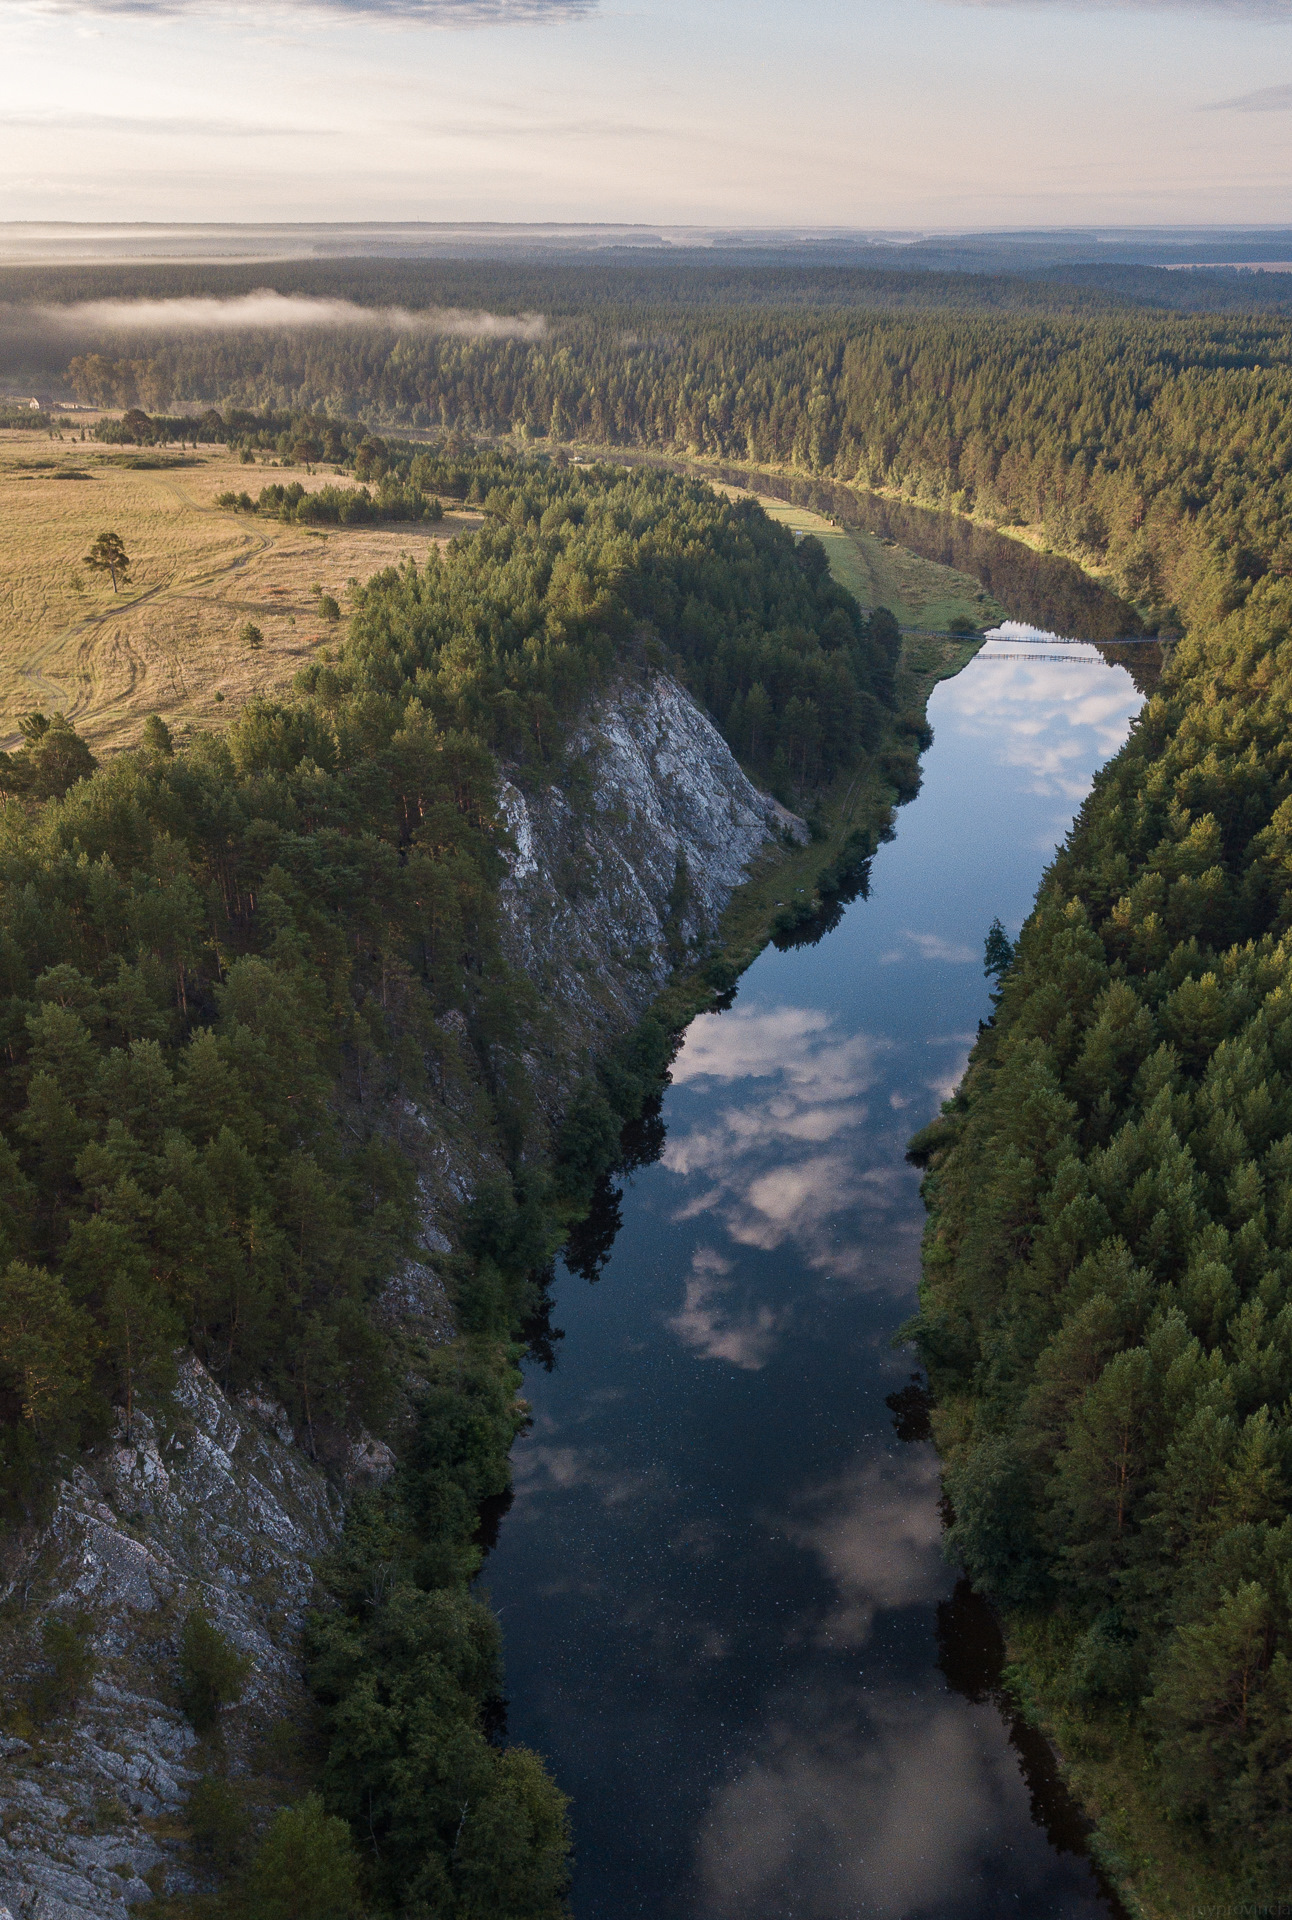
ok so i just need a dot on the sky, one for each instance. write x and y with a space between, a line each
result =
858 113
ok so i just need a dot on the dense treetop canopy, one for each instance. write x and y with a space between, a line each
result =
1107 1305
1153 447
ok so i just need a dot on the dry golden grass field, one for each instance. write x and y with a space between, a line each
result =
168 642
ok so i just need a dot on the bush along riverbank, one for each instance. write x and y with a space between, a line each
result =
255 982
1106 1309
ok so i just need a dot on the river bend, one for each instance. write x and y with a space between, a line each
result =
728 1622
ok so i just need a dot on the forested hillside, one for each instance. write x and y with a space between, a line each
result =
1154 448
1107 1301
229 968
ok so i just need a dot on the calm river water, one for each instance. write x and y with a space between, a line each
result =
728 1622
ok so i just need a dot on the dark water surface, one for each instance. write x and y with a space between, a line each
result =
728 1622
1052 593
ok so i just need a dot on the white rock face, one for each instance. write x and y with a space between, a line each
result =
625 864
596 908
220 1510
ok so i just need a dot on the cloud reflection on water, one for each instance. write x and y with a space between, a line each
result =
544 1466
858 1803
708 1324
780 1164
877 1534
1041 718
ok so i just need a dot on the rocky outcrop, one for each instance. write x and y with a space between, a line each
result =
619 869
217 1508
628 861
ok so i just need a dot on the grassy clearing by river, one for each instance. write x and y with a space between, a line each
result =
168 642
918 592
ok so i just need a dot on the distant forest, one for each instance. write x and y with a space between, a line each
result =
617 279
1153 447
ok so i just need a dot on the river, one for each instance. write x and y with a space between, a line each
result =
728 1623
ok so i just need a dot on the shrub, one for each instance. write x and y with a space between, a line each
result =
68 1666
217 1821
306 1868
212 1671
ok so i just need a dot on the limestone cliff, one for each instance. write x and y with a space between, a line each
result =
208 1504
629 860
620 866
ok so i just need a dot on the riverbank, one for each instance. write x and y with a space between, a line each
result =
1100 1418
1041 585
728 1619
1157 1866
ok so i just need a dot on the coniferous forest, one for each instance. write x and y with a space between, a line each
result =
1107 1309
222 963
229 966
1149 446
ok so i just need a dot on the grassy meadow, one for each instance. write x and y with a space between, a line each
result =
920 593
168 642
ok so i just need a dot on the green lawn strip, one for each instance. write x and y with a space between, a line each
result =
919 592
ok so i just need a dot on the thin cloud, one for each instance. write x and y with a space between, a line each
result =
267 309
1231 9
174 125
1264 100
461 14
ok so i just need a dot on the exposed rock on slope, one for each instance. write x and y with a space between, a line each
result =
631 859
620 868
215 1508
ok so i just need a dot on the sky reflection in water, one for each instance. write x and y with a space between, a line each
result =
720 1579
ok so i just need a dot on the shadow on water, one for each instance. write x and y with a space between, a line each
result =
971 1658
1040 589
592 1240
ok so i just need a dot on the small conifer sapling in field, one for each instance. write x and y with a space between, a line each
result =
108 555
157 735
251 636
